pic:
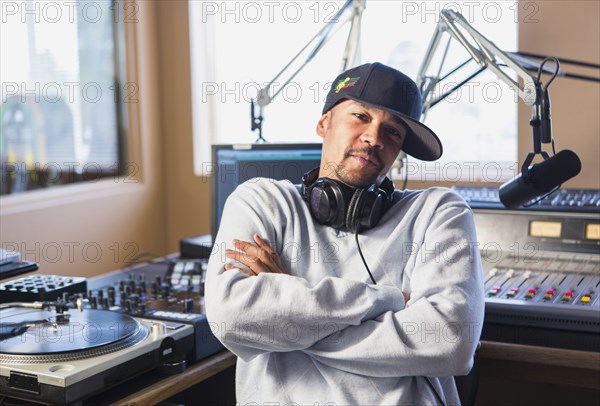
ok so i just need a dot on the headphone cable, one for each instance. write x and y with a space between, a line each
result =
362 257
427 379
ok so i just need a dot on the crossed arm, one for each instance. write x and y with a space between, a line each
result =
258 257
351 349
256 307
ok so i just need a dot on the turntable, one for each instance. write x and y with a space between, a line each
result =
52 354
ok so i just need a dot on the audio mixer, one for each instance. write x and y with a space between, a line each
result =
542 276
168 289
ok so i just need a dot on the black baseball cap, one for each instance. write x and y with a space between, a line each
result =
388 89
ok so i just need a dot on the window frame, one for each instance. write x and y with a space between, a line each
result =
205 123
130 174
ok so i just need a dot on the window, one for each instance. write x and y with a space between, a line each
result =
238 47
61 111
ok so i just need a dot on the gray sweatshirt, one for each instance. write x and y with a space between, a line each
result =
323 333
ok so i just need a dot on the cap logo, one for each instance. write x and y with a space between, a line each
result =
345 83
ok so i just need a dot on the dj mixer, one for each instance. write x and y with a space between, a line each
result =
65 339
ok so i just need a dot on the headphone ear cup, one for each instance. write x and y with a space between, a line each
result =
353 215
326 199
326 203
366 209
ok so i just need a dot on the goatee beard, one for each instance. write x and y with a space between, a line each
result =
364 181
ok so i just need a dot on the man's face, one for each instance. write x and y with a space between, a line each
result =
360 143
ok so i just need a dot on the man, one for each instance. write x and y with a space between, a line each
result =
317 315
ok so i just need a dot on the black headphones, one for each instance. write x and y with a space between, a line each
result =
337 205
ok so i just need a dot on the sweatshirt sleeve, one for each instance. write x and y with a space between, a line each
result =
279 312
436 334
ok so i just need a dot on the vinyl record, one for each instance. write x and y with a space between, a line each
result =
81 335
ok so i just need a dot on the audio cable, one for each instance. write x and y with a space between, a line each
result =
427 379
362 256
545 98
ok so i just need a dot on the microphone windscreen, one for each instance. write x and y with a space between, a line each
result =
555 170
542 178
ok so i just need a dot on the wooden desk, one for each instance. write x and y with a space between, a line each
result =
579 371
174 384
533 375
152 387
542 364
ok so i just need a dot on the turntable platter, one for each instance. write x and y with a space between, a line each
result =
82 335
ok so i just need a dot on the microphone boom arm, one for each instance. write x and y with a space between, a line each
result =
528 87
264 97
483 51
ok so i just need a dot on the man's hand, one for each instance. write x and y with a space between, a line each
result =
258 257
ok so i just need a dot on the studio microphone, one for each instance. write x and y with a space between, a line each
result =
542 178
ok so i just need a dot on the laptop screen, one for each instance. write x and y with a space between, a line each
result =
234 164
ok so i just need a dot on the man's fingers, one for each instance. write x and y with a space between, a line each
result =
259 258
262 253
229 267
255 264
262 243
249 248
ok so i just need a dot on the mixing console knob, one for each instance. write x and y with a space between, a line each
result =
166 291
142 309
128 306
93 302
65 297
104 302
154 289
123 298
100 294
188 305
158 281
122 285
158 329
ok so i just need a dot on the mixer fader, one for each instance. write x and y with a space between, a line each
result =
554 281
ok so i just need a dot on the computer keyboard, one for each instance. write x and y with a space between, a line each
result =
563 200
